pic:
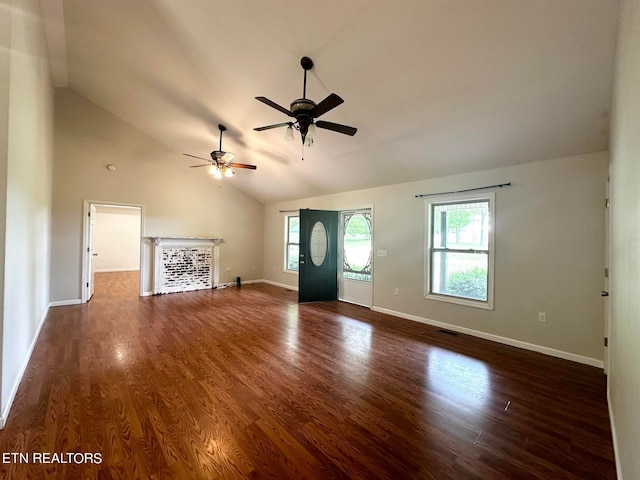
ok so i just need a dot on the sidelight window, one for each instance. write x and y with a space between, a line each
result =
292 242
356 261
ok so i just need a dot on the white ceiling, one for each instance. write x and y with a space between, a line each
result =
435 87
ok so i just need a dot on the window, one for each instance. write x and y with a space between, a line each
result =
460 250
292 242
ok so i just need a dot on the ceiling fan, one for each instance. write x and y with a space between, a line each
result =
305 111
221 162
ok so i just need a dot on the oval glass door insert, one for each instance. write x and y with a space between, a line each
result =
318 244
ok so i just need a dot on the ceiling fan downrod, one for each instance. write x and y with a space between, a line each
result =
222 128
307 64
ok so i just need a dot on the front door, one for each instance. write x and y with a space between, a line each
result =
318 262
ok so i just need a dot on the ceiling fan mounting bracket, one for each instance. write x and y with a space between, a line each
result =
306 63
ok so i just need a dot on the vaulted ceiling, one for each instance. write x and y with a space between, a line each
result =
435 87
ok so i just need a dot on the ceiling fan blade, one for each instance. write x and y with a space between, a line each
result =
243 165
203 165
194 156
259 129
336 127
329 103
266 101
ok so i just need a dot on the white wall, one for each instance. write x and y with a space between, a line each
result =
178 201
116 239
549 252
28 156
624 369
5 69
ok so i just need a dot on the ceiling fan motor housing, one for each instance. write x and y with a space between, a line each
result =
301 109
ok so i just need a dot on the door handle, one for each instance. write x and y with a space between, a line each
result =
604 293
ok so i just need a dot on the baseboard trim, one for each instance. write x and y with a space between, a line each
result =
281 285
594 362
112 270
5 411
354 302
614 435
64 303
234 284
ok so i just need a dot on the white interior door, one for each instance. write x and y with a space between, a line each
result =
92 253
607 274
355 272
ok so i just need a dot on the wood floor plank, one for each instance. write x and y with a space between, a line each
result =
245 383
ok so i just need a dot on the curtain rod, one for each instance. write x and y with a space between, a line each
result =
508 184
289 211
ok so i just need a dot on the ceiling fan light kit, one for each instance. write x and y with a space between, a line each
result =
221 164
305 112
288 136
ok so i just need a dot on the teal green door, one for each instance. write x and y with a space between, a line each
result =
318 262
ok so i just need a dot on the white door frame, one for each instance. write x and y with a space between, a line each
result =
341 297
86 235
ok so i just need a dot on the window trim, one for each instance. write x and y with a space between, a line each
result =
286 268
454 199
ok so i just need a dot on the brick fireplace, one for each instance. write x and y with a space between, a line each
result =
185 264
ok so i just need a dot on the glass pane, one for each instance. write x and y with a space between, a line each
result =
357 244
292 257
466 225
318 244
294 229
460 274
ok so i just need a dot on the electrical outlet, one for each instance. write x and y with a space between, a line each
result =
396 291
542 317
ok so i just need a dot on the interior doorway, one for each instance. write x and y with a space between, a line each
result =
112 244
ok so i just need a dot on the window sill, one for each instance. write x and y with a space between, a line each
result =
460 301
292 272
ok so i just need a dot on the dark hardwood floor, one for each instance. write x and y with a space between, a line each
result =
246 383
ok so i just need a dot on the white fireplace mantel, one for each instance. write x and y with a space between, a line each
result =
183 264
